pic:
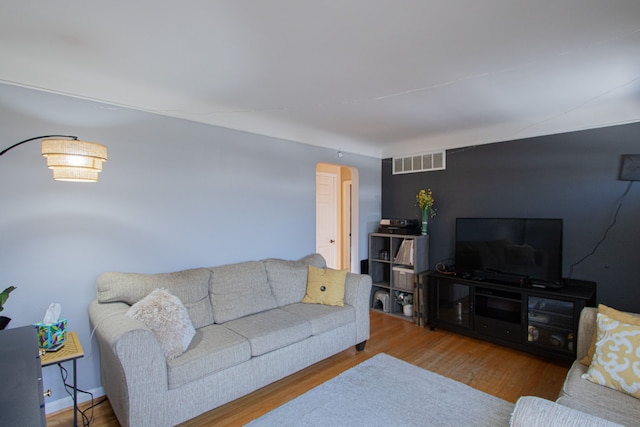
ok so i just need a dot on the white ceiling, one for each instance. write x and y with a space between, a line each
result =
380 78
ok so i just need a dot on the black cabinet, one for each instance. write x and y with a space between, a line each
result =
539 321
21 398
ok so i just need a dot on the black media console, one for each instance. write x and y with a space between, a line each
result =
535 320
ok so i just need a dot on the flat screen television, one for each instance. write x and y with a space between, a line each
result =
519 251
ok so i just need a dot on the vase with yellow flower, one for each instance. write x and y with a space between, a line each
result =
425 202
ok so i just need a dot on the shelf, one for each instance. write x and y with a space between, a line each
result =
562 341
550 313
395 265
502 315
384 285
550 327
390 244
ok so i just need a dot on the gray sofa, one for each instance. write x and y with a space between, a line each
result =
251 330
591 398
581 402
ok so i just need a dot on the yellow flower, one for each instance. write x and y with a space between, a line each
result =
425 199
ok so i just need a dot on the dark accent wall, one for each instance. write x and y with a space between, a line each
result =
573 176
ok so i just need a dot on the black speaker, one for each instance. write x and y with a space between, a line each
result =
630 170
364 266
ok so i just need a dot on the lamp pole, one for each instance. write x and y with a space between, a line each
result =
37 137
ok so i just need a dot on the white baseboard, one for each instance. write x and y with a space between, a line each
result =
67 402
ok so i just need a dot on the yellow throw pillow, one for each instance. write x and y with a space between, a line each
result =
616 315
616 361
325 286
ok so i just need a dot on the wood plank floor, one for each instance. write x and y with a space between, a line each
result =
496 370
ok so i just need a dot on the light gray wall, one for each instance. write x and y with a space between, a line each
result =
174 195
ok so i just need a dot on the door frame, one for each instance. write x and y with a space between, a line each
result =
352 211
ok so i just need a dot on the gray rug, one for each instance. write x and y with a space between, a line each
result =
385 391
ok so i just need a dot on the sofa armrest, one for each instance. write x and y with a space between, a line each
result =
531 411
132 362
586 331
357 292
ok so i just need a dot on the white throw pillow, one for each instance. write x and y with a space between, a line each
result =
167 318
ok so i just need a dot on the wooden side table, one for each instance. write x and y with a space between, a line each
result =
70 351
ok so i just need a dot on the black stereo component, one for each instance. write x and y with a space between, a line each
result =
410 227
408 223
399 230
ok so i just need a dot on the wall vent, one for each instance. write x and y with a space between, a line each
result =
424 162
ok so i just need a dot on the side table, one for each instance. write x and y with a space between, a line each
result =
70 351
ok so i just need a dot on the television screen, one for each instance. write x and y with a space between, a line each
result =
512 250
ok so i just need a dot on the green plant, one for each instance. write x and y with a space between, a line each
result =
4 296
404 298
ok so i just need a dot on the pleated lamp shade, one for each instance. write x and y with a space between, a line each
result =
74 160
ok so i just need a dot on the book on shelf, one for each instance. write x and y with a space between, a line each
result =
405 253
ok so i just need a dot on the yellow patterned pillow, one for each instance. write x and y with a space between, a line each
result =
616 361
632 319
325 286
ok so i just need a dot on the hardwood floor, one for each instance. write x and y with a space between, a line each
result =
500 371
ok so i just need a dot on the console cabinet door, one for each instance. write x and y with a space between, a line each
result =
551 323
453 303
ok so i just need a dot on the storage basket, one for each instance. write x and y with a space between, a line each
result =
404 279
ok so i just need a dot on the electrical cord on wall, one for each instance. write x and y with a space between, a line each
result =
604 235
90 353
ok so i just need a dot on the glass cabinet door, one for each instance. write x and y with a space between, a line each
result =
550 323
453 303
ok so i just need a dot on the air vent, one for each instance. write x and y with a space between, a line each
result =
420 163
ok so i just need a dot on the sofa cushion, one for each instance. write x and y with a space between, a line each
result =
167 318
316 260
583 395
531 411
213 349
631 318
616 360
323 318
325 286
238 290
191 286
288 279
271 330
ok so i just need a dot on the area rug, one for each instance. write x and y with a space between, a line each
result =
385 391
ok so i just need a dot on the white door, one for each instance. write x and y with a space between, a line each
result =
327 217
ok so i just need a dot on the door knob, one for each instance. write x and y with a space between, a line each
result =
332 241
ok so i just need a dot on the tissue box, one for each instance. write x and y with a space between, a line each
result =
51 335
